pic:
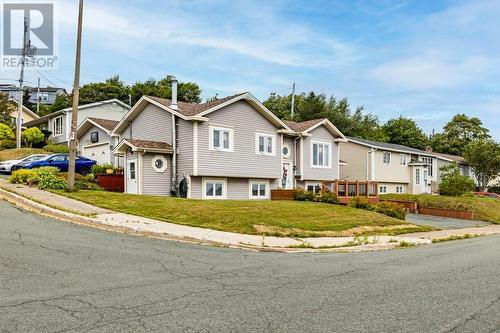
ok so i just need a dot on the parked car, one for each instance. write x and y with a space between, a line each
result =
6 166
487 194
83 165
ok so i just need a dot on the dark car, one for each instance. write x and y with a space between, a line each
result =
83 165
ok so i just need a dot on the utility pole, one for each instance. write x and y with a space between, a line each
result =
26 46
76 95
293 101
130 100
38 97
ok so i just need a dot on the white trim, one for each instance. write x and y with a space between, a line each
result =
301 158
321 142
266 182
211 130
257 145
204 191
96 144
401 155
54 125
195 148
281 152
372 163
383 157
338 160
165 163
88 120
390 149
188 177
312 183
332 127
127 173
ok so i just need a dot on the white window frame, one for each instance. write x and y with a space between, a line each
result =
315 184
153 165
400 189
206 181
221 129
384 154
267 185
329 145
403 160
417 176
289 151
55 133
382 189
430 167
266 136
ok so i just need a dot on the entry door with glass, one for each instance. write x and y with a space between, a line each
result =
287 177
132 176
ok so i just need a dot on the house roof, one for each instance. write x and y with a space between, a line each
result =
104 123
450 158
192 109
43 119
197 112
303 125
145 145
25 109
388 146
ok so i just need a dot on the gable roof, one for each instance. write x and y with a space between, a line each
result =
145 145
25 109
388 146
192 111
104 124
304 127
450 158
69 109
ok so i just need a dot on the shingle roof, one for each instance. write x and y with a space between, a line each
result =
389 146
147 144
192 109
303 125
458 159
106 123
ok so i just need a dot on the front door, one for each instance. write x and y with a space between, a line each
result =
425 181
132 176
287 177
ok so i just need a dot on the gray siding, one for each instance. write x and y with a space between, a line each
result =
84 140
288 141
185 142
152 124
154 182
331 173
243 162
237 188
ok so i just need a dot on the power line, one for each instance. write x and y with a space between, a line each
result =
47 79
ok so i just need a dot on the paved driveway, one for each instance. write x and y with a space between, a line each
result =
443 222
57 276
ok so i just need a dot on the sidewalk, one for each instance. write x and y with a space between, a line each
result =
61 207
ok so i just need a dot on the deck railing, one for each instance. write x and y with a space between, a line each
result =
349 189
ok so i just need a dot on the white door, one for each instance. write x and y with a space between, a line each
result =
132 176
287 176
99 153
425 181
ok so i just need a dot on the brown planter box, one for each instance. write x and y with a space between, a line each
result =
457 214
410 206
113 183
282 194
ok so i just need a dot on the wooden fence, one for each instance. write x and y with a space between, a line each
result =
457 214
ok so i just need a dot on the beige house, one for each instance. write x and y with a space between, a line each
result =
26 116
396 168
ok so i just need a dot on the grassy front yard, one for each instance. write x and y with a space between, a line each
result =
280 218
13 154
485 209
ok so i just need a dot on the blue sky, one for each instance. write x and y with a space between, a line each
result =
422 59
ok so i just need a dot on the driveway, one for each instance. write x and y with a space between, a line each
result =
443 222
57 276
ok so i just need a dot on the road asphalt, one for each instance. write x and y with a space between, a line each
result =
57 276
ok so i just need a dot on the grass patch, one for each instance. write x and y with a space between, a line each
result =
281 218
404 243
454 237
13 154
485 209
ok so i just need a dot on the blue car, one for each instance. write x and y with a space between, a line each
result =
60 161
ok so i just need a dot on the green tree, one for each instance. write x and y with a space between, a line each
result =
32 136
6 108
100 91
453 182
186 91
405 131
6 132
458 133
60 102
484 156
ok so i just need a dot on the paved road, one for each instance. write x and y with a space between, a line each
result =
443 222
56 277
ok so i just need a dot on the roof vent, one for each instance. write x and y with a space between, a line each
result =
173 103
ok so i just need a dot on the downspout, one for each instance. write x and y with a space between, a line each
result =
173 187
295 161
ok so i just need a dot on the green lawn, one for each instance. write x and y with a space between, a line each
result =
12 154
485 209
280 218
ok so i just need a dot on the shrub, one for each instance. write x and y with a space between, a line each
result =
22 176
6 132
453 182
8 144
361 203
327 196
58 149
48 170
52 182
391 209
32 135
100 168
303 195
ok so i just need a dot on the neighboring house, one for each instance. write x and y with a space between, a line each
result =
231 148
447 159
59 122
95 142
26 116
47 95
396 168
